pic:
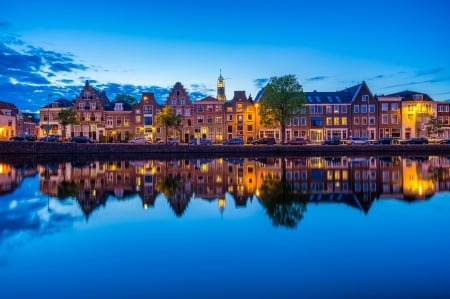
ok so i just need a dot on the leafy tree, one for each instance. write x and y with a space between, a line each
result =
168 119
124 98
284 205
434 128
67 117
283 96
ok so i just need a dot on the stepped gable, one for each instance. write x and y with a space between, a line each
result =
90 93
178 96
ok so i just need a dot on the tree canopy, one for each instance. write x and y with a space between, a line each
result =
167 118
67 117
283 97
124 98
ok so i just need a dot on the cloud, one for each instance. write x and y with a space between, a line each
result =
429 72
380 76
419 82
260 82
4 25
316 78
67 67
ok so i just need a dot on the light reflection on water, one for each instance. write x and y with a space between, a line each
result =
276 227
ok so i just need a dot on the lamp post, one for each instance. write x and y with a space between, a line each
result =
48 114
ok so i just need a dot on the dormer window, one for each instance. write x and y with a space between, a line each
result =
118 107
55 105
87 95
418 97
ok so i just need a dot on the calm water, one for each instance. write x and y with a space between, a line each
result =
318 227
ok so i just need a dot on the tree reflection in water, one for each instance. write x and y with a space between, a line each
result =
284 205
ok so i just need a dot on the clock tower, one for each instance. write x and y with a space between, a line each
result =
221 88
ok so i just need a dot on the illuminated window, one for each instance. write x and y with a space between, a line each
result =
336 121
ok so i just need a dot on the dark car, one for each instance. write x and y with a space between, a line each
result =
264 140
202 141
417 140
51 138
82 139
387 140
332 141
233 141
297 141
445 141
24 137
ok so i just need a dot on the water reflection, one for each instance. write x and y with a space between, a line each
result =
283 186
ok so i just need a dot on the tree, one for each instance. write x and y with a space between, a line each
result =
283 97
67 117
434 128
284 205
124 98
168 119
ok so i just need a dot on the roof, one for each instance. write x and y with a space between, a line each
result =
409 95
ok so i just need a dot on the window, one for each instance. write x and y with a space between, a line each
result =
219 119
372 120
328 121
209 108
384 107
87 95
249 116
344 121
183 102
316 122
312 109
446 108
365 98
336 121
137 119
230 117
199 119
303 121
174 102
344 109
356 108
394 119
319 109
336 109
394 106
363 108
126 122
328 109
218 108
118 107
81 106
372 108
356 120
295 121
148 109
249 128
384 119
119 122
148 120
239 107
178 111
210 119
199 108
364 121
92 105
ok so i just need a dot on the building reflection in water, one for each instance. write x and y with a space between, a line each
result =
284 186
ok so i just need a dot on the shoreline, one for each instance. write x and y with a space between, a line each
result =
49 151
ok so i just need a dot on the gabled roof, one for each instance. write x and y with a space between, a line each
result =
62 103
408 95
207 99
344 96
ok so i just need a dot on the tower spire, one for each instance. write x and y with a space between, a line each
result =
221 87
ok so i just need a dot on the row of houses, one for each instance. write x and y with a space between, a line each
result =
353 111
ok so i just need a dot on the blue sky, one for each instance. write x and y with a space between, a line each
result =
130 46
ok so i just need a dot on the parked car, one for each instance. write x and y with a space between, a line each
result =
24 137
358 140
387 140
170 140
445 141
297 141
416 140
82 139
51 138
332 141
203 141
139 140
234 141
264 140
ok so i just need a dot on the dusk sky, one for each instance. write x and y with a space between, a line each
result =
52 47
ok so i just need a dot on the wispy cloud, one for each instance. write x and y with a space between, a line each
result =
430 72
412 83
316 78
260 82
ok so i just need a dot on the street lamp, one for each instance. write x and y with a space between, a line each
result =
48 114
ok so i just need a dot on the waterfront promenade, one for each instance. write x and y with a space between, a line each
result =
10 150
